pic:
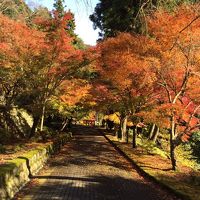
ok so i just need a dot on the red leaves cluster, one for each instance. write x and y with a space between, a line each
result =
160 72
45 56
18 40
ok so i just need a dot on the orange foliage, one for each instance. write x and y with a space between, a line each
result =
19 42
125 63
159 74
74 91
178 71
45 58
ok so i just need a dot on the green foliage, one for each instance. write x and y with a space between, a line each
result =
59 8
151 148
15 9
78 43
115 16
2 149
193 147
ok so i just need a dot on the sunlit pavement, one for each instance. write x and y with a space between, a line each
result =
89 168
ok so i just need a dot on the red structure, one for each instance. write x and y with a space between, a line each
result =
89 122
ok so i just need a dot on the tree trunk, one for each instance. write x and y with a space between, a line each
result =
64 124
42 117
134 143
152 131
172 144
172 154
155 135
124 129
118 132
127 136
33 129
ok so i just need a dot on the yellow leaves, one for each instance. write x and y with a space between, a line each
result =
105 117
129 123
114 118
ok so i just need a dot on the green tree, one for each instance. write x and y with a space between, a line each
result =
70 26
59 8
116 16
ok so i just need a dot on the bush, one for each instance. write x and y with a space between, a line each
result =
194 145
2 149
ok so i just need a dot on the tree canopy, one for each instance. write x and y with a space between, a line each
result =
15 9
115 16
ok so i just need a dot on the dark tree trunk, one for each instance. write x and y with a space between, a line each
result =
172 143
119 132
127 136
172 154
134 143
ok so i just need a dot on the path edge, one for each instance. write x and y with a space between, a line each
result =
143 172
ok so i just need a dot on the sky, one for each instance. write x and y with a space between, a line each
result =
82 9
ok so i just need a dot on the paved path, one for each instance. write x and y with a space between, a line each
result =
89 168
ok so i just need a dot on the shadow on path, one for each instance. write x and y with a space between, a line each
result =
89 168
93 188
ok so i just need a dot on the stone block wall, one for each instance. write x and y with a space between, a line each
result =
17 172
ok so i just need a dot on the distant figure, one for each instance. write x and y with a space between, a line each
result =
103 123
69 125
110 124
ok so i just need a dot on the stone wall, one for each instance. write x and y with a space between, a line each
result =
17 172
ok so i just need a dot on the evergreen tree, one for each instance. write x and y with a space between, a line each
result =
70 26
115 16
59 7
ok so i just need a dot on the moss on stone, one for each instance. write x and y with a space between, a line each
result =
13 168
7 168
31 153
17 162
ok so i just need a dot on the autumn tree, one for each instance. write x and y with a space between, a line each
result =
176 68
17 56
125 67
62 58
156 77
44 59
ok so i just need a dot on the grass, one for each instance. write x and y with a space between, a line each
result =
185 182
